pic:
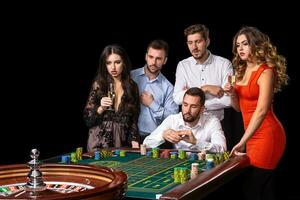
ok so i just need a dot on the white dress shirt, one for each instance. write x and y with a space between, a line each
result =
214 71
208 133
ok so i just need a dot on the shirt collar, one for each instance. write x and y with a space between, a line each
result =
208 60
200 122
141 72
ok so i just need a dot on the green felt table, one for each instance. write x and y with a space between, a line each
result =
152 178
147 176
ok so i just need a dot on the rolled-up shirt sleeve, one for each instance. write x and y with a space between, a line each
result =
218 103
156 137
214 103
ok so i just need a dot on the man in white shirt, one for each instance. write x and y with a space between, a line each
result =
191 128
204 70
210 73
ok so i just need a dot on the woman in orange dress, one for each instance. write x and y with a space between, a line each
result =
260 72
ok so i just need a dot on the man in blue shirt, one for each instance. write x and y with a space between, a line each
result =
156 92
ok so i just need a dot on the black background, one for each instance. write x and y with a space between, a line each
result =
50 58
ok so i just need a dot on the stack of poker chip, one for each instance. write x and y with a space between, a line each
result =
173 154
117 152
201 156
209 163
193 156
188 154
194 170
219 158
181 174
97 155
106 154
226 155
122 153
181 154
214 157
74 157
209 156
149 154
66 159
155 153
143 149
176 175
79 153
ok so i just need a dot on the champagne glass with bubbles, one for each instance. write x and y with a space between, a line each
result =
232 79
111 94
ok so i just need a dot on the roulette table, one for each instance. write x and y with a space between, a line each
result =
61 182
152 178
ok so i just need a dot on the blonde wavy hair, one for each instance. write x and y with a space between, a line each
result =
264 51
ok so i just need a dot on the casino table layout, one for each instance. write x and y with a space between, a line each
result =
152 178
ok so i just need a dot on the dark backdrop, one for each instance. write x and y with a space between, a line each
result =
51 58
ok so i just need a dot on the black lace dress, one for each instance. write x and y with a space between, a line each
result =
112 128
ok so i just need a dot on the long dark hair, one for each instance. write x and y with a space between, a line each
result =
103 78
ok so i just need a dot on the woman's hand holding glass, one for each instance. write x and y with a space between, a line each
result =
228 88
106 102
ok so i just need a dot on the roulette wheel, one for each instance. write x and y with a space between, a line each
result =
60 181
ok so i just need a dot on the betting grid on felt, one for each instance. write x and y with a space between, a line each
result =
147 176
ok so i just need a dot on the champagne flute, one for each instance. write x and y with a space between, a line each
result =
111 94
232 79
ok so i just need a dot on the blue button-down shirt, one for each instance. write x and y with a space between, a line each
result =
163 104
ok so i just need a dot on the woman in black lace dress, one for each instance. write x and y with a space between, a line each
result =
112 122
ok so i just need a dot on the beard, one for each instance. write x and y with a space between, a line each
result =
187 117
198 55
153 69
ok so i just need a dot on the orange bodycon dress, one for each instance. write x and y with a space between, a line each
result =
267 144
